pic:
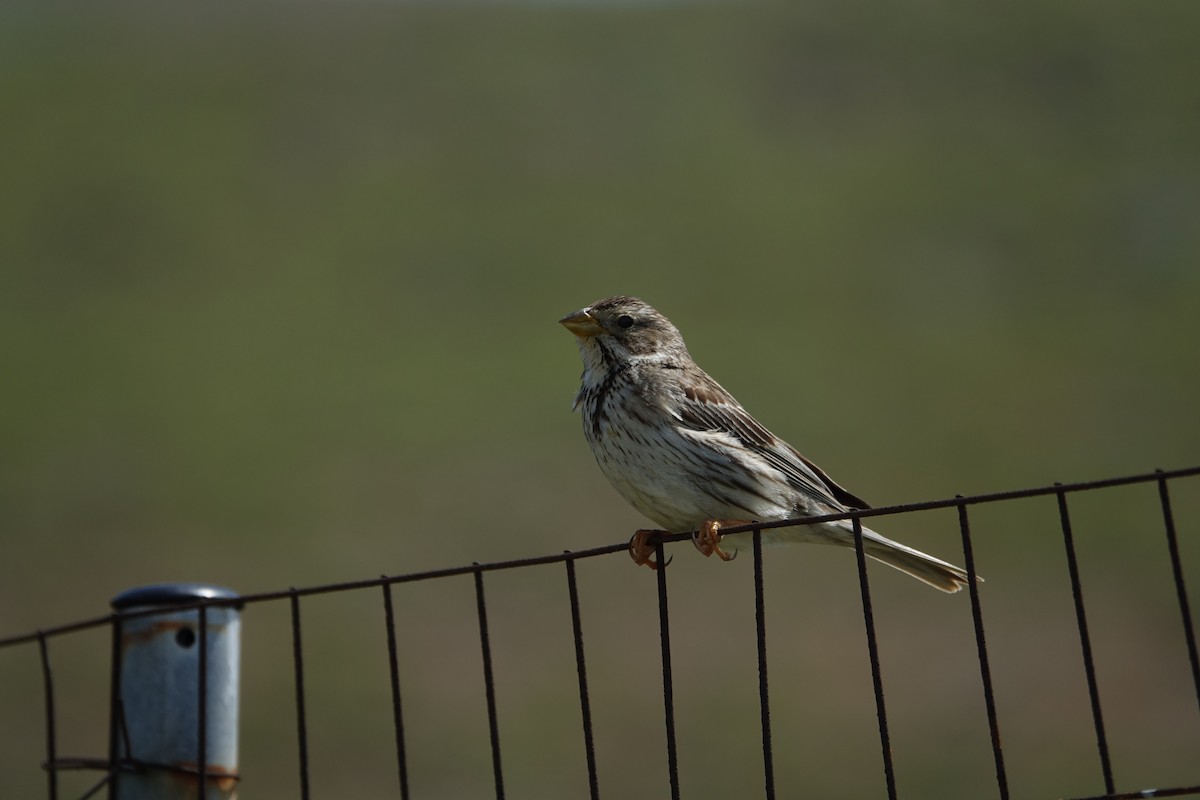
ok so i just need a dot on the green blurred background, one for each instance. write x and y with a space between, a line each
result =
278 292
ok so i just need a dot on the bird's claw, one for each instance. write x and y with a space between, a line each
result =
642 552
708 541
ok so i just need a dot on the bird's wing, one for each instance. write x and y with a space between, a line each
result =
707 406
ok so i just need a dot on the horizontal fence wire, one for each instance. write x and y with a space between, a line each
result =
118 739
620 547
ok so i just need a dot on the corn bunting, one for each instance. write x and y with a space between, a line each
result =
685 453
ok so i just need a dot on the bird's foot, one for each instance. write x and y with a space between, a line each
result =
708 539
641 551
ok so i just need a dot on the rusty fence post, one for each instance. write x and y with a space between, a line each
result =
167 662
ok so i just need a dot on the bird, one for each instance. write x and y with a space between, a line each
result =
685 453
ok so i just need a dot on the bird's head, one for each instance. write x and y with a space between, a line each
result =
620 330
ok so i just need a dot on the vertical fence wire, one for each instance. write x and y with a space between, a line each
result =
585 705
1089 665
298 675
489 684
1185 611
116 713
202 706
389 617
48 701
985 670
885 742
764 703
123 728
664 634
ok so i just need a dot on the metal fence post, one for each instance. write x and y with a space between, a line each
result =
167 662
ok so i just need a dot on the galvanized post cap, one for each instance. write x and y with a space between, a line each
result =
171 594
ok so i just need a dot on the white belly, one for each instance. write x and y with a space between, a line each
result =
679 479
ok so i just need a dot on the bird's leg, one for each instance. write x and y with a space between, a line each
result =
708 539
640 551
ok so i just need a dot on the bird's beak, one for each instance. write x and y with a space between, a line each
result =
581 323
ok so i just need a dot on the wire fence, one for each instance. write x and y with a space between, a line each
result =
114 764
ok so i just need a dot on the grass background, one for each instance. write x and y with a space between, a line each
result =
278 291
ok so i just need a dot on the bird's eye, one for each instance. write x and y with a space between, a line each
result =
625 321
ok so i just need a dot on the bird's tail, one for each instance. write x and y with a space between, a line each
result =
925 568
922 566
